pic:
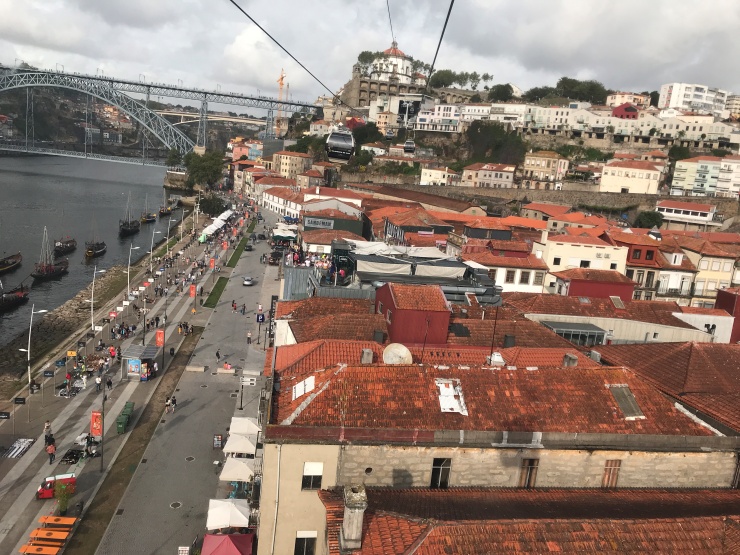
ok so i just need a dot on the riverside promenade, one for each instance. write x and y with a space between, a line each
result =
19 477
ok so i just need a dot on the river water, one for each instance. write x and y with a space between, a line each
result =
70 197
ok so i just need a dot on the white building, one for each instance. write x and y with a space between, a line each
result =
692 96
687 215
394 64
318 128
439 176
511 114
696 176
619 98
563 252
728 183
733 105
490 176
444 118
475 112
630 176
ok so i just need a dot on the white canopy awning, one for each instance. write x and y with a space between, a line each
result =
237 470
241 444
226 513
244 425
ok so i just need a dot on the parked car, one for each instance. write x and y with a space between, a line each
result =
248 247
249 281
261 236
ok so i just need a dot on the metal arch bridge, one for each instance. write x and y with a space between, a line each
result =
111 91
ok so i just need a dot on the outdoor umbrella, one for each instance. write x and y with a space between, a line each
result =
226 513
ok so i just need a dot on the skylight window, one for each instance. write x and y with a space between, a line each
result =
627 402
617 302
451 396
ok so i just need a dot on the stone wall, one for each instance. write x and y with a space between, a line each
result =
395 466
378 179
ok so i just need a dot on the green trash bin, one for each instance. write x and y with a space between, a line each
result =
121 422
129 404
127 411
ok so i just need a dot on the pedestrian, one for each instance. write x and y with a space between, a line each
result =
47 428
249 338
109 383
233 306
52 452
84 381
218 355
173 403
167 405
179 329
98 382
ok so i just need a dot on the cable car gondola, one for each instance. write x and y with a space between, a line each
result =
340 145
409 146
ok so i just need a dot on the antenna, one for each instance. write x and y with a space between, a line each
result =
395 353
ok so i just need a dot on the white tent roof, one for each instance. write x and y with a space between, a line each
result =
237 470
244 425
241 444
225 215
225 513
376 247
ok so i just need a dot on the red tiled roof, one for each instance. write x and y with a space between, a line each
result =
417 217
324 164
576 239
289 153
547 399
544 154
491 167
704 247
705 376
312 173
524 357
633 165
694 206
589 274
426 198
424 239
495 245
318 306
357 327
546 208
326 236
519 221
704 311
494 260
281 181
336 193
525 332
581 218
327 213
656 312
696 159
656 154
633 239
418 297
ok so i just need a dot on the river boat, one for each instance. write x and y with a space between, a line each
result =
93 249
129 225
47 267
10 263
166 208
13 298
64 246
146 216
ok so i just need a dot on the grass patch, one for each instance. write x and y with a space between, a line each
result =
163 250
215 293
251 227
237 253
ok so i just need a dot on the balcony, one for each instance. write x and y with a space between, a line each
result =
684 290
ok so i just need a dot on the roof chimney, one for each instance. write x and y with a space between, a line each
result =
318 190
595 355
570 360
355 503
509 341
367 356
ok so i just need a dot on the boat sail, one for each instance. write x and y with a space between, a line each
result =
47 267
129 225
146 216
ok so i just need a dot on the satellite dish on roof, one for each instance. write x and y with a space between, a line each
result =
395 353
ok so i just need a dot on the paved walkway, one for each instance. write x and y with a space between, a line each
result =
20 477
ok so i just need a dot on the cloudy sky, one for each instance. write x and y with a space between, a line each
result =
630 45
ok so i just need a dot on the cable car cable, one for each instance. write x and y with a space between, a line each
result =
390 21
431 70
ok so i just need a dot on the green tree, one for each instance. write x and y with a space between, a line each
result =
173 158
486 77
500 93
203 170
442 79
462 79
649 219
365 60
212 205
490 142
654 97
366 134
678 153
474 80
538 93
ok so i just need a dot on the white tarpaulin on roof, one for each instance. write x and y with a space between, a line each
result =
376 247
237 470
227 513
244 425
238 444
440 271
376 267
475 265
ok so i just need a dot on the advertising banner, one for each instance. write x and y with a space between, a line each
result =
134 367
212 263
96 423
192 291
160 338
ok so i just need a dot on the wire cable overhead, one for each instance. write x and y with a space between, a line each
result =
434 61
390 21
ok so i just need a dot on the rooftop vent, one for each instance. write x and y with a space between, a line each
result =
451 396
367 356
584 300
595 355
570 360
509 341
495 359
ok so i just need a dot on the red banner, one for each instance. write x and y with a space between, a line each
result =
192 290
212 263
224 245
160 338
96 423
112 314
233 232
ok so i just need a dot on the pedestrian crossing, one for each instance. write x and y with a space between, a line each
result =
19 447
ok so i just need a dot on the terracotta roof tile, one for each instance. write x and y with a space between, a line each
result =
494 260
546 208
289 153
328 213
519 221
524 357
358 327
318 306
417 217
419 297
426 198
703 375
326 236
527 333
424 239
695 206
633 165
589 274
404 397
576 239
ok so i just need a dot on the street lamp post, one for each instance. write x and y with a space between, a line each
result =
92 299
28 352
128 271
151 251
164 326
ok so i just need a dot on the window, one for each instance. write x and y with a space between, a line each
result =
611 474
312 472
585 263
637 295
726 267
524 278
699 287
380 307
715 265
649 255
648 296
640 277
636 254
388 316
441 473
630 274
305 543
539 278
492 275
703 264
613 266
510 275
528 474
556 261
711 285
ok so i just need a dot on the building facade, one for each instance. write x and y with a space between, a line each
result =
489 176
630 176
693 97
290 164
544 169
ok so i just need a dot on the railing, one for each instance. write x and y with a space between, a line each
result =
89 155
685 290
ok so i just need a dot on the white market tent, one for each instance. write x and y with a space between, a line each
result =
378 248
245 426
237 470
227 513
238 444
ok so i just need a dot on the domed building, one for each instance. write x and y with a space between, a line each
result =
393 65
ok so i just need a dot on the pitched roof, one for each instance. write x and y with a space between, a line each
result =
326 236
487 521
491 167
655 312
705 376
702 246
519 221
289 153
424 239
327 213
633 165
547 208
358 327
697 159
426 198
524 357
656 154
270 181
526 333
418 297
589 274
406 397
576 239
416 217
311 173
494 260
693 206
544 154
318 306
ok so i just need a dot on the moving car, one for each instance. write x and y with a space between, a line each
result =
248 247
248 281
